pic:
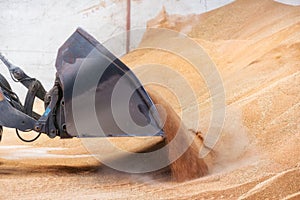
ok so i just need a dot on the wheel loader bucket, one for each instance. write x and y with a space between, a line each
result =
98 86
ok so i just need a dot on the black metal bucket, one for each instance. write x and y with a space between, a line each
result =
89 73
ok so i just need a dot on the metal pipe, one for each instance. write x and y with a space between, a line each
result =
128 18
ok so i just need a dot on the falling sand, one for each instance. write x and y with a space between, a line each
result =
188 166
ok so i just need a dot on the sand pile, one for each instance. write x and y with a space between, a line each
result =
256 48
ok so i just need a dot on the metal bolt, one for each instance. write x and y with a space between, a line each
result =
37 128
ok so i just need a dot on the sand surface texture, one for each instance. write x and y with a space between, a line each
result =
255 46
